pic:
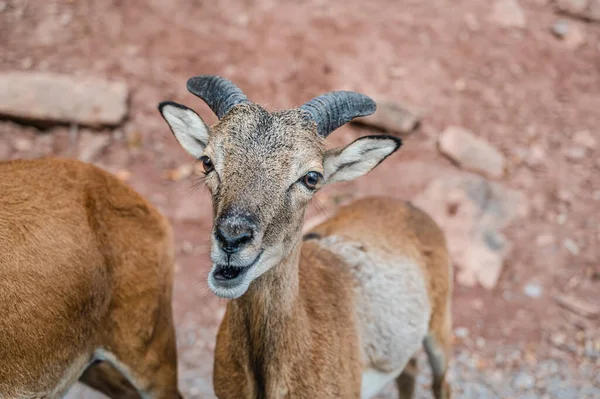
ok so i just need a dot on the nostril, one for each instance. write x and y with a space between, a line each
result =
231 241
220 235
244 238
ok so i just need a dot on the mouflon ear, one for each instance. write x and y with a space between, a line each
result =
187 127
358 158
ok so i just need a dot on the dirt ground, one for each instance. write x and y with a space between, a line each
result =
523 90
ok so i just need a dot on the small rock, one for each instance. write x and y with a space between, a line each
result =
544 240
561 219
596 195
564 196
123 175
480 342
392 117
461 332
523 381
134 139
460 84
575 38
46 97
577 305
182 172
3 6
560 28
23 144
585 139
91 144
575 153
66 18
533 290
508 13
471 153
535 156
571 246
584 9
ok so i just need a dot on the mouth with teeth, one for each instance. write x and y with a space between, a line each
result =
228 272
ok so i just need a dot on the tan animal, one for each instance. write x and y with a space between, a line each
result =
341 313
86 270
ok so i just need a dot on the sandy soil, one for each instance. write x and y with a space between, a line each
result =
518 88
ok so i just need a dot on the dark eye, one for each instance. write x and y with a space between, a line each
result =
207 164
312 179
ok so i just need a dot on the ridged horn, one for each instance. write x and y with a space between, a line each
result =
334 109
218 93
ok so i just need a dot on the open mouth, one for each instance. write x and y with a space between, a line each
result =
227 273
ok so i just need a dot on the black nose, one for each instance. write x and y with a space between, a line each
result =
234 233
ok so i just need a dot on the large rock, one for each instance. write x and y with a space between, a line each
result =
46 97
392 117
584 9
473 212
471 153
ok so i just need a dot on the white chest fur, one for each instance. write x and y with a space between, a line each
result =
392 309
374 381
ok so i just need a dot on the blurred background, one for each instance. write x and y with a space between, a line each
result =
498 103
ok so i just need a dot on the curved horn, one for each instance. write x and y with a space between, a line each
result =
332 110
218 93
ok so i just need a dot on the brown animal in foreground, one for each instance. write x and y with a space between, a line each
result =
86 270
341 313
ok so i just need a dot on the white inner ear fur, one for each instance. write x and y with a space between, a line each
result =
357 159
187 126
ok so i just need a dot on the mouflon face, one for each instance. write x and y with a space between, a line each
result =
262 168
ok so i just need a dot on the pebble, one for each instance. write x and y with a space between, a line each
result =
564 196
23 144
571 246
544 240
596 195
123 175
533 290
461 332
535 156
508 13
523 381
560 28
558 339
575 153
182 172
585 139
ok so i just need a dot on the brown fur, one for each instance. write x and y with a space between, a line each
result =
85 264
297 325
300 313
402 228
279 341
